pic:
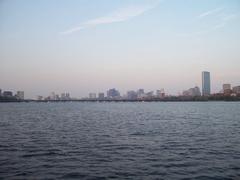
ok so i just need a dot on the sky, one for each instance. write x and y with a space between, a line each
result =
83 46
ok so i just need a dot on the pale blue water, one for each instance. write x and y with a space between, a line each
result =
151 140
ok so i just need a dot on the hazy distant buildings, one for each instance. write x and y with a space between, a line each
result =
0 92
20 95
68 96
160 93
100 95
7 94
55 97
236 90
40 98
132 95
65 96
92 96
140 93
113 93
192 92
149 94
206 87
52 96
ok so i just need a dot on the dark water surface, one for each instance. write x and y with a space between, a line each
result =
151 140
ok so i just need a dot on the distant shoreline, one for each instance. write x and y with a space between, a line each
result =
152 100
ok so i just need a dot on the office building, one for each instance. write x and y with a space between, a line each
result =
20 95
206 85
227 89
113 93
226 86
0 92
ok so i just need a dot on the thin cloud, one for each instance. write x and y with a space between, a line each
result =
223 20
119 15
211 12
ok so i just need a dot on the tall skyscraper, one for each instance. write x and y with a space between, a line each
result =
206 87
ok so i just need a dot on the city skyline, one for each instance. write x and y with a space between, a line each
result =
206 87
139 94
83 46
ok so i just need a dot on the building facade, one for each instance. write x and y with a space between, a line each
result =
206 84
227 89
236 89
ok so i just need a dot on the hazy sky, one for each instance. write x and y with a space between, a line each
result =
82 46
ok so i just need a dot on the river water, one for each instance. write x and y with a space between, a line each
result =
135 140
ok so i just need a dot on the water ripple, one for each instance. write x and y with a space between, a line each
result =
199 140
